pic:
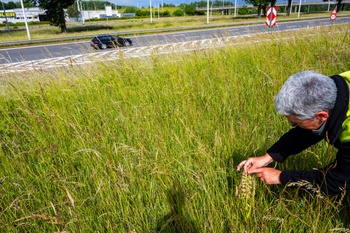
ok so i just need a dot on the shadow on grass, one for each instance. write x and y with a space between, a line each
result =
84 28
5 31
231 173
177 221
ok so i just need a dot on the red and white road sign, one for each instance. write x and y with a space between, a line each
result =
334 14
271 16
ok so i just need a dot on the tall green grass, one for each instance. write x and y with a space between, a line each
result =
152 144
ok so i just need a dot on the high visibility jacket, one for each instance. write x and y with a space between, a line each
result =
335 177
345 134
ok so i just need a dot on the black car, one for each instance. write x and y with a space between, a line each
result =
104 41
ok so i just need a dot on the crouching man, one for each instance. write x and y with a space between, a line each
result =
317 108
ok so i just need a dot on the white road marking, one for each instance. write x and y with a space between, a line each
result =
115 54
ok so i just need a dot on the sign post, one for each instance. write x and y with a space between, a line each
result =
271 16
334 14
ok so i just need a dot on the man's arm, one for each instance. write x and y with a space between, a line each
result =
332 179
293 142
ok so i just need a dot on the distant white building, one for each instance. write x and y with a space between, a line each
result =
107 13
33 14
86 15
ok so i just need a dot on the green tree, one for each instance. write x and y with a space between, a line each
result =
54 10
178 12
93 5
339 5
202 3
10 5
72 11
261 4
165 13
243 10
168 5
190 9
142 13
289 7
131 9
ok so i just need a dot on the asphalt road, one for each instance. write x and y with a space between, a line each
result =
31 53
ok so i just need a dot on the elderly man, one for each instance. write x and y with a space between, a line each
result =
317 107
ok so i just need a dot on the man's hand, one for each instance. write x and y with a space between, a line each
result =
251 164
268 175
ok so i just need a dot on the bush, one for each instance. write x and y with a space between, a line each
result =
165 13
142 13
200 13
243 11
190 9
178 12
131 9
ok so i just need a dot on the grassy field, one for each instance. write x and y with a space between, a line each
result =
152 144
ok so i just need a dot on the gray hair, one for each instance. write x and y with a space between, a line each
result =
306 93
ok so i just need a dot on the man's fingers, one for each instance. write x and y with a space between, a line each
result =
246 164
255 170
241 164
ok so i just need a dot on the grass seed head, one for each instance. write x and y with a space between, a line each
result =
246 188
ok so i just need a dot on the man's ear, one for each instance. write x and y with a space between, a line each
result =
322 116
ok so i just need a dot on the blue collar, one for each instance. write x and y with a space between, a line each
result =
320 130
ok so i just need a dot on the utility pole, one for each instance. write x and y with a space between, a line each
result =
7 23
235 8
299 8
81 10
25 19
207 11
150 9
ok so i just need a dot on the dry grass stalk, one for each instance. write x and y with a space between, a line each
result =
53 220
307 186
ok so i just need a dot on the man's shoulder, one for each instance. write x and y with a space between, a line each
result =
345 74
